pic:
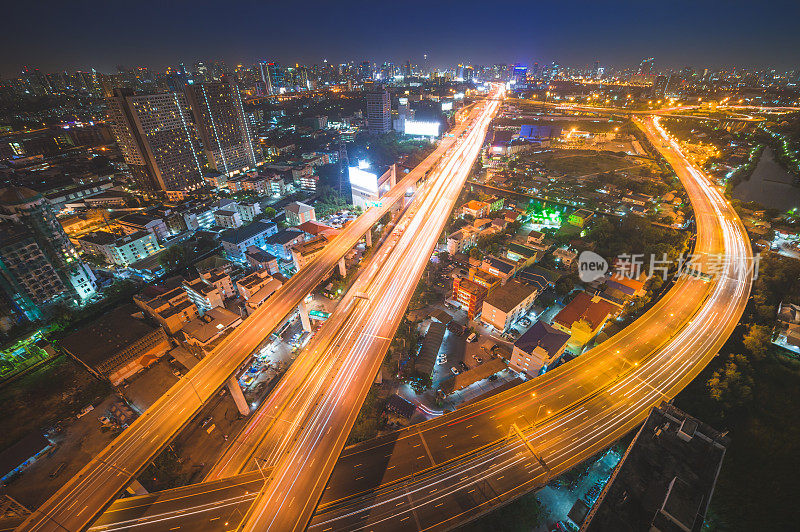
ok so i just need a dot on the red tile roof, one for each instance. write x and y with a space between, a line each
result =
583 308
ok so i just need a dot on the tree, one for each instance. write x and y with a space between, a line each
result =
172 257
475 253
269 212
757 340
565 285
732 384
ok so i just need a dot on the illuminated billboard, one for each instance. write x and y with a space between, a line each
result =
362 180
427 129
447 106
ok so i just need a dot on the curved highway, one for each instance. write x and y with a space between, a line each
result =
443 472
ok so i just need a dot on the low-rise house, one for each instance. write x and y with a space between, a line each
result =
503 269
522 255
210 290
628 285
632 198
172 308
230 219
580 217
484 278
507 303
582 318
566 256
298 213
476 209
462 240
261 260
538 348
248 210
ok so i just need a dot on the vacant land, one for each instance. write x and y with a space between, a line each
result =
51 393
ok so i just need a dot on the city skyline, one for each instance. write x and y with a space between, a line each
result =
368 266
736 37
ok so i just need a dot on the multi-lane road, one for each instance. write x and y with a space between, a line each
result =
358 345
84 496
441 473
446 471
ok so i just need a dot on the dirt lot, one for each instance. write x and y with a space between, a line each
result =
53 392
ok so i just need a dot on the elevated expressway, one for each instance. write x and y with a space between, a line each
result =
444 472
88 493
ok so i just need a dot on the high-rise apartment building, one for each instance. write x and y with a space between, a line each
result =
379 108
222 125
272 75
157 139
38 263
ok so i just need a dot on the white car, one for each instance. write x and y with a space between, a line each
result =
455 370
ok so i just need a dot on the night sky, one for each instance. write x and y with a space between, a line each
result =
80 34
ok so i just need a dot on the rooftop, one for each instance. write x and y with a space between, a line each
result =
542 335
102 339
430 348
284 236
211 324
666 478
138 219
471 376
298 207
583 307
246 232
508 296
259 254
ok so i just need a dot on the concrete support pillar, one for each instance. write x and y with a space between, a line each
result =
136 488
369 237
238 396
306 321
342 267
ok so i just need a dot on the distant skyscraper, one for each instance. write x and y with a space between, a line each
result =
379 109
156 137
646 66
520 73
364 71
272 76
38 263
222 124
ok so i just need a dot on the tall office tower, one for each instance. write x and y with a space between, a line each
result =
272 76
379 108
407 69
519 73
364 71
387 71
223 125
344 188
156 137
469 73
646 66
38 263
